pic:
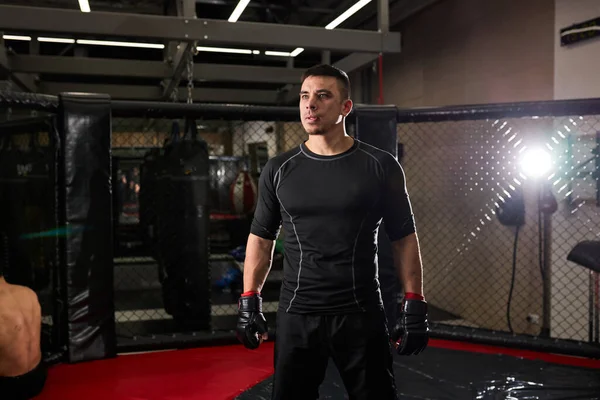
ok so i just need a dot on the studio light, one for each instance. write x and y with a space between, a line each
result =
535 163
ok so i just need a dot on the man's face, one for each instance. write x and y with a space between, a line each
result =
322 105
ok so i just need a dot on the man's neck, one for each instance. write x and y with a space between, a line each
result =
329 144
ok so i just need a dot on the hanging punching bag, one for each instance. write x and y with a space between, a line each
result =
148 197
184 230
243 193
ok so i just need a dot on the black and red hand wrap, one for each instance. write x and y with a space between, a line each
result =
251 324
411 332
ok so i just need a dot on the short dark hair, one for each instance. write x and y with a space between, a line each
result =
330 70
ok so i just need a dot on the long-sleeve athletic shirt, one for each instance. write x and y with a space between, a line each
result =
330 209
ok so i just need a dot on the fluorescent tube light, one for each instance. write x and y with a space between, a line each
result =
347 14
84 6
277 53
55 40
225 50
13 37
121 44
239 9
284 53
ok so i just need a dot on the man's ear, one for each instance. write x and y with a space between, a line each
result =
347 107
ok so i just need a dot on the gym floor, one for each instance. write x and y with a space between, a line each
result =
447 370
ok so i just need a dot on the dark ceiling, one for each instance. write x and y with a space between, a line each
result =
317 13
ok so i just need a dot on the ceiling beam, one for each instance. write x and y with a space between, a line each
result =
151 93
205 31
355 61
83 66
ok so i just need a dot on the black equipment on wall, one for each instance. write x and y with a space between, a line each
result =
511 212
376 125
85 211
183 224
587 255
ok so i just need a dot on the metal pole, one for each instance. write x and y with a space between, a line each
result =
591 299
383 15
547 265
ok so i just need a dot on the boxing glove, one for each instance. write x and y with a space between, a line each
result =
251 325
411 332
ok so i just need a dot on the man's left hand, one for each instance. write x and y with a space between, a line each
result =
411 333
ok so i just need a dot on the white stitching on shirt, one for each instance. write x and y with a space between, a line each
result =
278 179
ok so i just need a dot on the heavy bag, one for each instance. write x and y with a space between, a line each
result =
243 193
148 197
184 230
164 240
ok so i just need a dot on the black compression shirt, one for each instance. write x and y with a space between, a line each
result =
330 209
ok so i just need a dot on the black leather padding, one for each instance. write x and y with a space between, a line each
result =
586 254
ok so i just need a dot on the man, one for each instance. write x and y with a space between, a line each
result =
330 194
22 374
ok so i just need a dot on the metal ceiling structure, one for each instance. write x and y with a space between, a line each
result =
51 46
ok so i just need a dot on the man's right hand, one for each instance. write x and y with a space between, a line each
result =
252 326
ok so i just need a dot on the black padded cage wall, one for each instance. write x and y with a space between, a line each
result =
55 174
28 207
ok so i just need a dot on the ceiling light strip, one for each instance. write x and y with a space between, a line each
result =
347 14
239 9
84 6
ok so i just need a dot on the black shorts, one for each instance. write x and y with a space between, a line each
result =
26 386
358 344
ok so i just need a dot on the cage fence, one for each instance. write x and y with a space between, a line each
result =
500 203
466 177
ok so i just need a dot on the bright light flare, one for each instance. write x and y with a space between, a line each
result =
535 163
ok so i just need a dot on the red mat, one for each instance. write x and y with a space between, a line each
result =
215 373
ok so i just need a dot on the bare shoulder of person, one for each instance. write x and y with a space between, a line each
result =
26 297
30 297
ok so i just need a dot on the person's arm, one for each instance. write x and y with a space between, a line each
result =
252 326
263 231
400 227
259 257
407 259
411 332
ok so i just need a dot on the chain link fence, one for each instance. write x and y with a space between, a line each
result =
471 179
146 238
